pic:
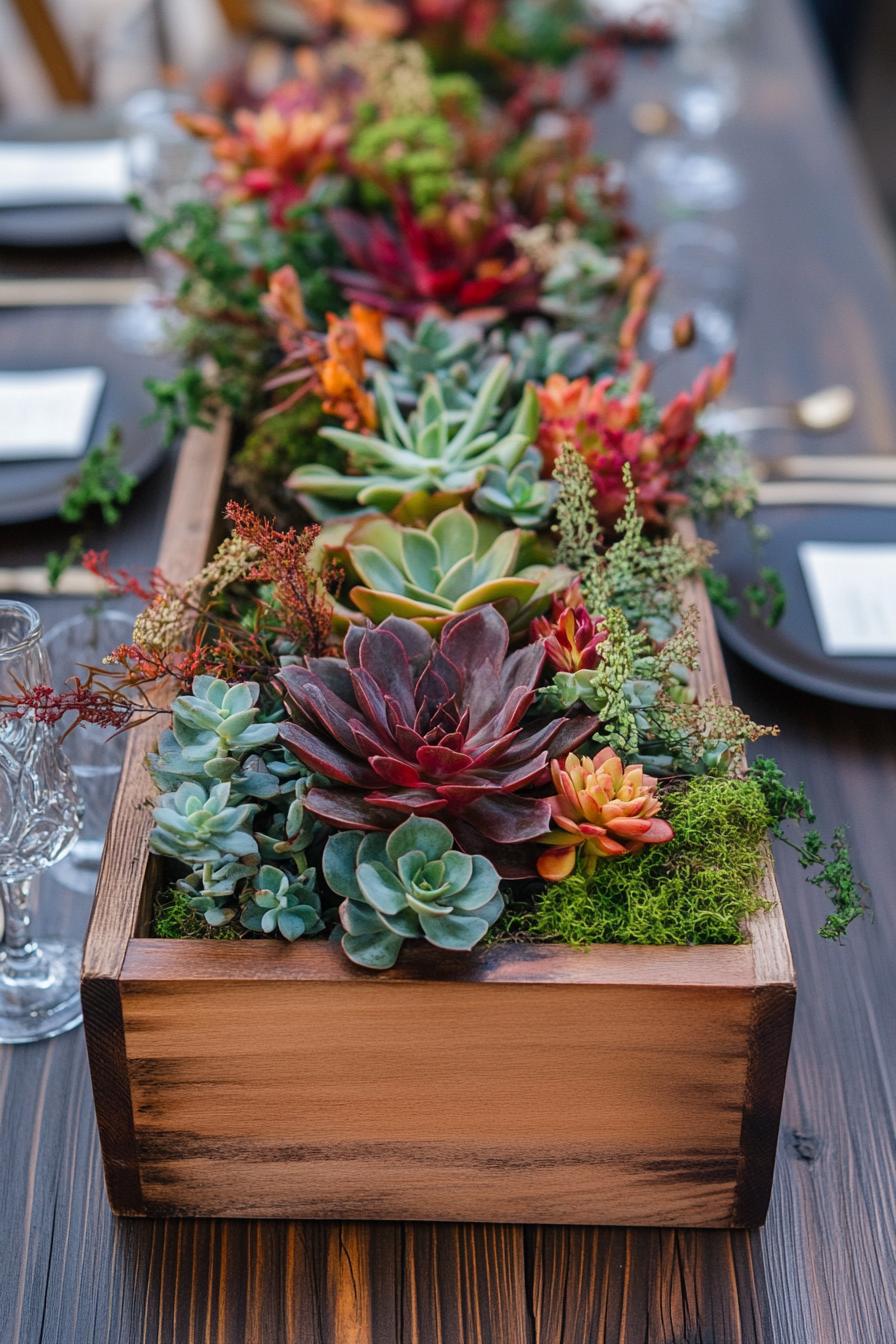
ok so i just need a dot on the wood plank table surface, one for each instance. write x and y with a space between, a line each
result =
821 303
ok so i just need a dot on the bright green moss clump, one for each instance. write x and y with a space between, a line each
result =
698 888
174 918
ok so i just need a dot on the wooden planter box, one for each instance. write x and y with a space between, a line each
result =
517 1084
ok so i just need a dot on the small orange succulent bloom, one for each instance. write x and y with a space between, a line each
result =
602 808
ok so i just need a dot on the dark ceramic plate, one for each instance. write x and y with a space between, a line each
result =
62 225
791 651
35 489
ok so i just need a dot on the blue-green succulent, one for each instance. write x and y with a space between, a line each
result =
520 495
213 728
432 450
411 883
280 903
199 824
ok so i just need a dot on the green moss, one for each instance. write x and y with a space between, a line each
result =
696 889
274 448
173 918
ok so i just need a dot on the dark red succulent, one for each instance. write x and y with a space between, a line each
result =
570 635
460 262
408 725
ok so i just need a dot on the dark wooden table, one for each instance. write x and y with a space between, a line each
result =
821 308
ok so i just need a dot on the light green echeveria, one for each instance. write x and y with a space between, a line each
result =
575 289
409 884
430 451
449 349
520 495
211 890
458 562
283 904
212 729
198 825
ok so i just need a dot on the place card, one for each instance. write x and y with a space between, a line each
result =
852 588
48 413
70 172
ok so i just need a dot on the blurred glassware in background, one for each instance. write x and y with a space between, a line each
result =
702 275
165 167
95 757
679 165
40 815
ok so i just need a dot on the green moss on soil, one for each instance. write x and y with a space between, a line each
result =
698 888
174 918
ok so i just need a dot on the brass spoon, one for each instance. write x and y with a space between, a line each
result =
651 117
820 412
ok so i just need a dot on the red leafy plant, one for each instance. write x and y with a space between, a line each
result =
615 424
262 595
462 261
406 725
571 637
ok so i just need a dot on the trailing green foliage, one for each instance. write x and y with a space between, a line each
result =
835 875
101 483
697 888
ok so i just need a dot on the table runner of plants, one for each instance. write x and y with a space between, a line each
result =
437 681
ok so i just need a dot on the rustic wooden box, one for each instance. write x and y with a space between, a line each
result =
533 1084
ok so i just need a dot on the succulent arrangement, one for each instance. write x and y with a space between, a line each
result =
458 704
457 562
430 450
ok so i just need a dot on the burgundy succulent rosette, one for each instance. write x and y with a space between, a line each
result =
405 725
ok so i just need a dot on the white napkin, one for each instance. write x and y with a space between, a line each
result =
48 413
852 587
71 172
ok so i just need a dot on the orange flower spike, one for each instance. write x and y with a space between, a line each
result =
369 325
283 304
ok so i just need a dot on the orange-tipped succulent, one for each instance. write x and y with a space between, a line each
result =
603 808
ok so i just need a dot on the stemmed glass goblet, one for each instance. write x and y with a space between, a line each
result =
40 816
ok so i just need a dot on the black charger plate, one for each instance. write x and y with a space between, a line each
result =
28 340
791 651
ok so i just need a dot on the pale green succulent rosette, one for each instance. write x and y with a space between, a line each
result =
198 825
409 884
521 496
280 904
212 729
429 451
458 562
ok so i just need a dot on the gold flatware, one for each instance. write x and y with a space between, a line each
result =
33 581
864 494
821 467
820 412
73 292
651 117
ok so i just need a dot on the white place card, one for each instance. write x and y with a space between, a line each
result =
852 587
48 413
70 172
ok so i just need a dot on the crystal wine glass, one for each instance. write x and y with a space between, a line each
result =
40 815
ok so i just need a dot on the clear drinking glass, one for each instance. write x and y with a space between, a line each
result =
687 171
166 166
95 757
40 815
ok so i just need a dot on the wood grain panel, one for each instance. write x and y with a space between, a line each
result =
446 1100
